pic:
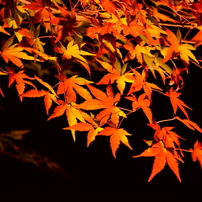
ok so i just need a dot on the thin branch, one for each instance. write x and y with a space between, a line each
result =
166 120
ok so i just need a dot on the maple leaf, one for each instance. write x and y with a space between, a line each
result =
48 97
173 5
45 84
117 135
154 63
37 53
21 79
70 25
104 101
8 9
143 103
176 102
161 16
73 50
166 135
92 127
109 6
198 39
13 53
140 82
42 14
71 112
31 41
71 85
197 152
176 78
2 28
117 74
176 48
162 156
190 124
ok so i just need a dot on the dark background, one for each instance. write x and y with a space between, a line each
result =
92 174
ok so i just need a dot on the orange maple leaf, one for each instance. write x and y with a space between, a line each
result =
140 82
20 78
117 74
42 13
197 152
71 85
190 124
176 102
166 135
71 112
92 127
162 156
74 51
10 52
177 48
143 103
117 135
198 39
160 16
48 97
104 101
2 28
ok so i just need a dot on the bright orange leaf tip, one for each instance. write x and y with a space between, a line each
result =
117 135
162 156
197 152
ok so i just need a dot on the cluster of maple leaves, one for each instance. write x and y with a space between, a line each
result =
111 36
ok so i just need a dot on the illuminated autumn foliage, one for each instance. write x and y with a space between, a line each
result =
137 46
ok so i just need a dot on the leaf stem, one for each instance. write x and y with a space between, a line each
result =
166 120
183 150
